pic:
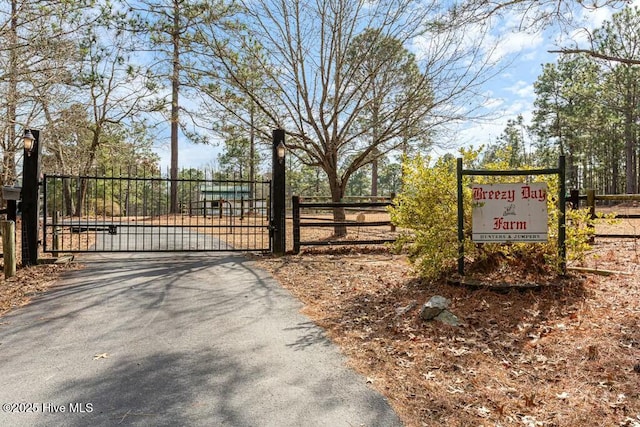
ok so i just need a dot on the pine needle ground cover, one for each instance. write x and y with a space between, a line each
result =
566 353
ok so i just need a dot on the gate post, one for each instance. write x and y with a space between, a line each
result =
459 172
278 212
30 201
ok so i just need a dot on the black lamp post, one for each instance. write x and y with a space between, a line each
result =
30 196
278 198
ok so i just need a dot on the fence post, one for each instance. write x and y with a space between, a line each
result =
9 248
562 218
30 201
393 201
56 233
591 204
295 202
574 197
12 210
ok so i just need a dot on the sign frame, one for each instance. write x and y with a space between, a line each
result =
560 171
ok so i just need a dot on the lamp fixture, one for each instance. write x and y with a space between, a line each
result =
29 141
280 151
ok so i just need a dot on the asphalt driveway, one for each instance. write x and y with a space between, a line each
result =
175 340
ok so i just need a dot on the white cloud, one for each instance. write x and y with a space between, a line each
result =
512 93
522 89
518 43
594 18
589 20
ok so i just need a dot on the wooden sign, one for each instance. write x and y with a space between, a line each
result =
510 213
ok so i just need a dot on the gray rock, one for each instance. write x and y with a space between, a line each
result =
434 307
448 318
428 313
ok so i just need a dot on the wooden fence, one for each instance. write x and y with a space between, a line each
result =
591 199
300 222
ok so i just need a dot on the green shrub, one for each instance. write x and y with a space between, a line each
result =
427 207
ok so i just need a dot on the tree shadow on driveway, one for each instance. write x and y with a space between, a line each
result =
178 340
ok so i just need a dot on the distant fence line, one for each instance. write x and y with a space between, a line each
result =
591 198
299 222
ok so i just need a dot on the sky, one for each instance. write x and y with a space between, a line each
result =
509 94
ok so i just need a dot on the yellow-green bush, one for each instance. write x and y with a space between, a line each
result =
427 206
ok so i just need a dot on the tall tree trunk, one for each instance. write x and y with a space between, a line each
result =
67 193
571 167
614 161
9 152
252 157
374 177
81 195
337 193
81 190
374 142
629 148
175 90
629 140
67 197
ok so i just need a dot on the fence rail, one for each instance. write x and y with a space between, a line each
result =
300 222
591 199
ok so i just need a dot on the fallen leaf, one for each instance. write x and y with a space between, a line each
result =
429 376
483 411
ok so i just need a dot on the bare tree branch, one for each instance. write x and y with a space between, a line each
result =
598 55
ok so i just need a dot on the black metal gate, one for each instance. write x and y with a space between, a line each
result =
134 214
